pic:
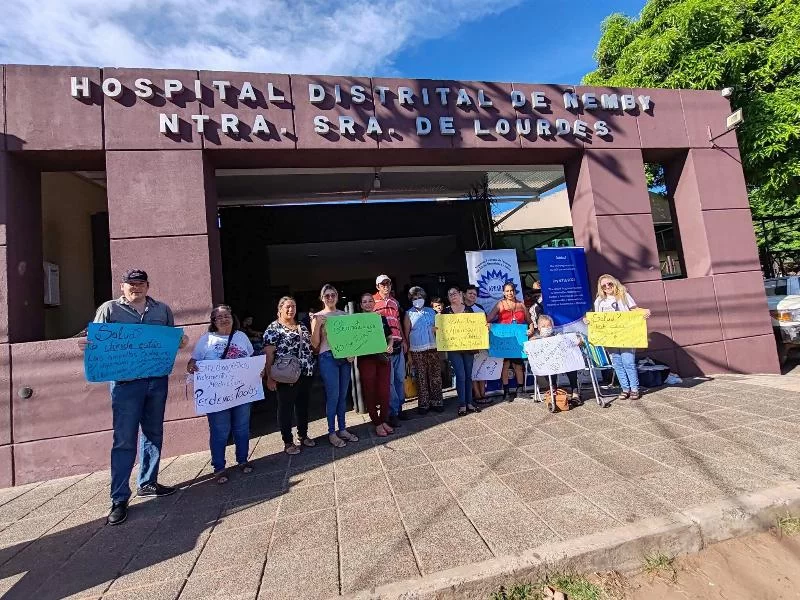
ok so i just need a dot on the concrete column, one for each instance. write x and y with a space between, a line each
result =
21 281
162 218
713 216
611 215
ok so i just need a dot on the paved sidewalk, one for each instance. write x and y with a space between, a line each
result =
446 492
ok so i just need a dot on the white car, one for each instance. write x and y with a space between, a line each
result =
783 298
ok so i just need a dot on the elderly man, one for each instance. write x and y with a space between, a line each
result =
137 403
387 306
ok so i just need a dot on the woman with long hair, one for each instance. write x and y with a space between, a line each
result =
224 340
335 372
286 337
375 371
462 361
510 310
612 296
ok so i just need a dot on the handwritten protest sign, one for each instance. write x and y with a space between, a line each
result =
486 368
505 341
554 355
618 329
222 384
466 331
355 335
122 352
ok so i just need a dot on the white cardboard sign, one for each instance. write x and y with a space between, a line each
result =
223 384
486 368
554 355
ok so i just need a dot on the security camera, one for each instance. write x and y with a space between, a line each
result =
727 92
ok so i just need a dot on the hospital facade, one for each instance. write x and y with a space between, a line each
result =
244 186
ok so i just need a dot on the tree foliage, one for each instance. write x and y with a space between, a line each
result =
750 45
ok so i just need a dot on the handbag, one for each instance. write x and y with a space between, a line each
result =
562 399
409 385
286 369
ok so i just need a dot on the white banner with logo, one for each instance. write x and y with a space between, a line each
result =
490 270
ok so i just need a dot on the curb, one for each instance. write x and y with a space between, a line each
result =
620 549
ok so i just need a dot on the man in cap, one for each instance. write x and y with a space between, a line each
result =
137 403
387 306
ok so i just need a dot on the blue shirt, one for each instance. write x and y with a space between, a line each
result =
422 323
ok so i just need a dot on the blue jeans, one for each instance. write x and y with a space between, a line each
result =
462 366
336 375
220 426
397 390
624 362
134 404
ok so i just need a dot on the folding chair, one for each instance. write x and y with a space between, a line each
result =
596 359
537 394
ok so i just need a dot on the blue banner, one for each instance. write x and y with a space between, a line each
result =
566 294
123 352
505 341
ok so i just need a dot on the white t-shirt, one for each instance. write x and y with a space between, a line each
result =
211 345
611 304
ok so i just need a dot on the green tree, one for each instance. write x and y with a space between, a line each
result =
750 45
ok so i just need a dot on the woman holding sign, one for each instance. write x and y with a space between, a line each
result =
511 310
375 371
287 345
224 340
612 296
335 372
462 361
419 326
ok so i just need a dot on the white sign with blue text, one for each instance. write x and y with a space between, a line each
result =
223 384
490 270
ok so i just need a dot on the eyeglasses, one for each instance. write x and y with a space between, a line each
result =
607 284
385 283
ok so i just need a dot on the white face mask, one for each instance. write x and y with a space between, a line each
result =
545 331
418 303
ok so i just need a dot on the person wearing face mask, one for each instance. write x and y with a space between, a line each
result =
419 326
545 329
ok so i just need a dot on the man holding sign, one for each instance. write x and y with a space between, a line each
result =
138 402
612 297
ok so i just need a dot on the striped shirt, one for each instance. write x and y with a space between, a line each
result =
390 309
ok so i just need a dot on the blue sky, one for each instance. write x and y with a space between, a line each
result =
494 40
535 42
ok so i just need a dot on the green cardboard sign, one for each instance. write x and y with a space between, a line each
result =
355 335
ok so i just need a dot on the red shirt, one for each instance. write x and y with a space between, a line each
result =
390 309
509 315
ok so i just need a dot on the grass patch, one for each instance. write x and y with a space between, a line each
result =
576 587
788 525
659 564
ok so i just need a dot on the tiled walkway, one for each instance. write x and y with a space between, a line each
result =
448 491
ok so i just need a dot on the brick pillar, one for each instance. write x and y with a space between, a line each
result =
611 214
612 218
21 281
733 333
162 218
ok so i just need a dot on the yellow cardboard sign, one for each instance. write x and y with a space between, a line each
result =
618 329
465 331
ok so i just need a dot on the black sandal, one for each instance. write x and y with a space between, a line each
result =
473 409
222 477
462 411
246 467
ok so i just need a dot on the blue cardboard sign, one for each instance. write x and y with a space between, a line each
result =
123 352
505 341
566 294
